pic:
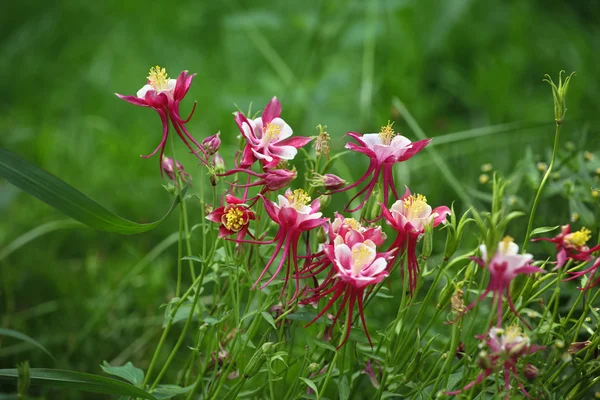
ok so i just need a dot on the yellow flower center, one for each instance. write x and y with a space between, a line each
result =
158 78
414 205
579 238
271 131
387 133
234 219
352 223
505 245
298 199
360 257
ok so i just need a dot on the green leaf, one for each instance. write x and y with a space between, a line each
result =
269 318
344 388
543 229
78 381
311 384
25 338
35 233
167 391
128 372
65 198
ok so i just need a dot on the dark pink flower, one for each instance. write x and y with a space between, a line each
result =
294 215
409 216
268 138
357 266
571 245
233 218
384 149
164 95
169 168
505 265
505 349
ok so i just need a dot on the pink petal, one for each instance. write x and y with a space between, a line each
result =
442 212
416 147
295 141
133 100
271 111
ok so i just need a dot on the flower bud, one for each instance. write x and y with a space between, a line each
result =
211 144
258 360
483 361
219 164
427 241
325 200
559 93
168 166
313 367
276 179
576 347
445 295
531 372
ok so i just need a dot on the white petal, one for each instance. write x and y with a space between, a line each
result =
371 139
142 92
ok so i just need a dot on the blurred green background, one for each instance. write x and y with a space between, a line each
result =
456 65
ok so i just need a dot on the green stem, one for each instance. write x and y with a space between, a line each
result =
541 188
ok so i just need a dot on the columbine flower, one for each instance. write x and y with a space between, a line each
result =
328 181
409 216
504 266
571 245
506 348
384 149
169 168
164 95
356 267
233 217
268 138
294 215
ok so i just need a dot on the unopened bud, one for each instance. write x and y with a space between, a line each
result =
542 166
329 181
486 167
446 294
427 242
258 360
276 179
531 372
212 144
168 167
219 163
324 200
313 367
560 94
576 347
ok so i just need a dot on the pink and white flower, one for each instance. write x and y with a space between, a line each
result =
505 348
168 166
409 216
384 149
268 138
357 266
164 95
504 266
294 213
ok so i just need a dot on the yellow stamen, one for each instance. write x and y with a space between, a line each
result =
414 205
158 78
387 133
298 199
271 131
234 219
360 257
579 238
512 333
352 223
506 244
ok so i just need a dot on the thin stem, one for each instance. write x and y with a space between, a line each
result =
541 188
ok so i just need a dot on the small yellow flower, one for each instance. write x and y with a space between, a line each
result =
588 156
595 193
574 217
542 166
484 178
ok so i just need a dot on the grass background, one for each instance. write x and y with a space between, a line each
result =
456 66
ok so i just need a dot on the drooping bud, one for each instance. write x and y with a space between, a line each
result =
576 347
211 144
560 94
276 179
531 372
168 166
328 181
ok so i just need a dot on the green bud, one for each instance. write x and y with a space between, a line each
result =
560 94
446 295
258 360
325 200
313 367
23 376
